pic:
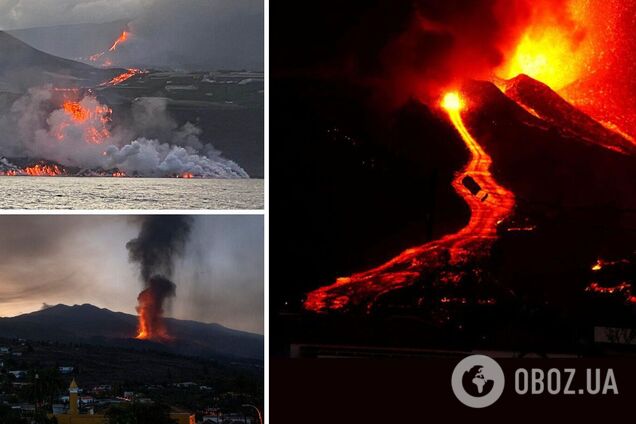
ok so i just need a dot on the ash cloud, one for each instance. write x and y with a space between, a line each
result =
161 238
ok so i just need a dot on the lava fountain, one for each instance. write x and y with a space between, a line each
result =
150 309
162 237
489 205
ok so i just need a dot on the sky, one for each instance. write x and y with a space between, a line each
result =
74 259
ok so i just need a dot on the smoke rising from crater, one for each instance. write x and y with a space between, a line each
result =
160 240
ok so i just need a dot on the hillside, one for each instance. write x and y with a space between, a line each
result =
72 41
92 325
23 66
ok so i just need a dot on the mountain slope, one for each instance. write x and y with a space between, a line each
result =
22 67
89 324
72 41
551 107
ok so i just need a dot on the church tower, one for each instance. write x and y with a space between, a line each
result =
73 400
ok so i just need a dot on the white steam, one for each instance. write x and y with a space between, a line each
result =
152 158
159 147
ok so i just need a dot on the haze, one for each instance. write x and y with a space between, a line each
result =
211 34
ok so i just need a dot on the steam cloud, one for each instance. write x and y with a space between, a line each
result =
161 239
159 147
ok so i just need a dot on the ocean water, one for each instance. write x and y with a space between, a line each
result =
129 193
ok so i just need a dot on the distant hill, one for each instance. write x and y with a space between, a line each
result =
72 41
23 66
90 324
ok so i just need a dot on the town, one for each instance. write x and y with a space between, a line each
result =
44 382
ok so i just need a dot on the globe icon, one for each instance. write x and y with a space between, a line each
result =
476 383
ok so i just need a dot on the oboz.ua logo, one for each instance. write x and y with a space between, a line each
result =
478 381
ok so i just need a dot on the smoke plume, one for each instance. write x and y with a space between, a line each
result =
162 237
160 240
77 131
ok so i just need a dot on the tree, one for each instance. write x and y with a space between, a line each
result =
139 413
10 416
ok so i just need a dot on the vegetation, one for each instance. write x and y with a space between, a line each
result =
137 413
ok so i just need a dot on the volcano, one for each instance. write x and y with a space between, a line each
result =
24 66
92 325
571 179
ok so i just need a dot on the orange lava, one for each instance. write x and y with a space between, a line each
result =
123 37
105 61
491 204
43 171
122 77
580 49
75 110
149 327
93 121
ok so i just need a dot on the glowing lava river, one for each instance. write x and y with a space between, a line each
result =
489 204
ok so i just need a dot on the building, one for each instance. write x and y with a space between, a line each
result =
73 416
18 373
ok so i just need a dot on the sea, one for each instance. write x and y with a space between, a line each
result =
129 193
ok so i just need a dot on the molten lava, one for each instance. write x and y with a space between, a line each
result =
91 117
75 110
122 77
489 205
150 308
123 37
581 49
43 170
150 328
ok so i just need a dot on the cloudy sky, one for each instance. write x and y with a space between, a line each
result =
83 259
220 34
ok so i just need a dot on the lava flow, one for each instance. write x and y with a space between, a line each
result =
489 205
43 171
106 62
123 37
122 77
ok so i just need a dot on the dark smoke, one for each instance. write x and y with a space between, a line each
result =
161 238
